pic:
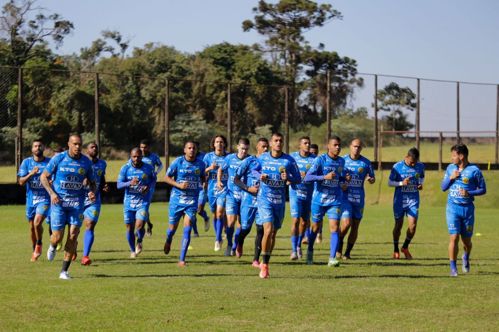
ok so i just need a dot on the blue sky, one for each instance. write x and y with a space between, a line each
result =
445 39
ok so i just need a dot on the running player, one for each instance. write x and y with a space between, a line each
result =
250 183
37 198
68 170
138 179
92 209
234 193
203 197
314 150
216 198
328 171
155 161
360 169
407 176
277 169
186 176
300 198
464 181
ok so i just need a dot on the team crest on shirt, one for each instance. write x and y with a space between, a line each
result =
197 171
99 172
81 171
361 170
416 176
307 166
466 180
282 169
144 176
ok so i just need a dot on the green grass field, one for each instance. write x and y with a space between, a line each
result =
216 293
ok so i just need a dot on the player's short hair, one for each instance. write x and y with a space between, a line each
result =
75 135
212 143
191 141
244 141
304 137
356 139
460 149
413 153
314 146
37 140
145 142
262 139
334 138
91 143
277 134
135 149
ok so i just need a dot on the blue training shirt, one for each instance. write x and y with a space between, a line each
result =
35 192
100 172
135 198
154 160
407 194
229 167
304 190
209 159
192 172
470 179
358 169
327 192
246 172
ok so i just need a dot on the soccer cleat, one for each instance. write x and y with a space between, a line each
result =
319 238
232 252
396 255
37 253
227 251
310 257
86 260
264 271
218 246
338 255
64 275
346 257
133 254
195 235
239 251
149 229
256 264
138 248
207 224
406 253
167 247
333 262
59 247
453 273
51 253
466 265
299 253
181 264
293 256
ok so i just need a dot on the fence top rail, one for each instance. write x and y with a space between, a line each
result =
437 131
250 84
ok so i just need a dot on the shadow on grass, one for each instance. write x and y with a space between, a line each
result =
180 275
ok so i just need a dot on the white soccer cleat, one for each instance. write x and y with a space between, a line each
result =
138 248
333 262
218 246
64 275
51 253
133 254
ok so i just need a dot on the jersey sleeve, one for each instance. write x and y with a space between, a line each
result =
394 174
370 170
172 170
294 171
122 175
52 165
23 170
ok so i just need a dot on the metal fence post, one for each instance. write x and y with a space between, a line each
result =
229 120
328 104
497 126
418 117
458 123
286 119
167 124
19 136
440 149
96 110
375 143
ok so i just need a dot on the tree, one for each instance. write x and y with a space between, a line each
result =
24 26
395 100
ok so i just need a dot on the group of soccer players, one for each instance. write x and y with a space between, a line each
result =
241 189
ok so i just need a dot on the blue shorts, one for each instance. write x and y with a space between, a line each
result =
233 204
176 211
130 216
346 210
357 211
42 208
248 216
62 216
92 212
216 201
202 198
300 208
460 219
399 211
273 213
333 212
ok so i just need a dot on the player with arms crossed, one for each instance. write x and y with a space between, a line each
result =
137 178
464 181
37 198
407 176
69 171
186 176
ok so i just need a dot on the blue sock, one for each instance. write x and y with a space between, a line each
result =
219 228
466 256
294 243
87 242
204 215
140 235
299 240
311 240
229 231
130 236
169 235
453 265
333 246
307 232
236 238
185 243
194 225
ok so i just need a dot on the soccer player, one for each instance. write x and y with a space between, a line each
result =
37 198
186 176
248 181
92 209
203 197
69 171
464 181
138 178
359 168
155 161
314 149
300 198
234 193
216 198
328 171
277 169
407 176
